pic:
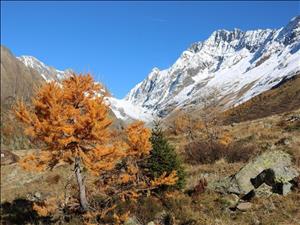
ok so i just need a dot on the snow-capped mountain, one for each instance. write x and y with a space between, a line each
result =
47 72
122 109
238 64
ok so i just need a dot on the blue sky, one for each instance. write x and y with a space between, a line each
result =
120 42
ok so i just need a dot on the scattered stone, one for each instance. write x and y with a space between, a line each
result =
161 217
37 195
230 201
293 118
255 221
132 221
244 206
283 141
273 168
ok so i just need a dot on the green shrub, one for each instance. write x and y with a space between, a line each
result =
163 157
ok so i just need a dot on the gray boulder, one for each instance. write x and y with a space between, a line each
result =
286 188
244 206
272 168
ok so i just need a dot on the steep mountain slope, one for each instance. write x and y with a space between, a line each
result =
19 77
284 98
127 111
47 72
121 109
17 80
238 64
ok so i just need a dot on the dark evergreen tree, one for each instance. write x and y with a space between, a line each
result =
163 157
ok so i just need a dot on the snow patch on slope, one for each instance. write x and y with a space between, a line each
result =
48 73
125 110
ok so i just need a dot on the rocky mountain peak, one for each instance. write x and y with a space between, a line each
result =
241 64
291 32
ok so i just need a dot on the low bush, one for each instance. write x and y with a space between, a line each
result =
202 152
295 126
200 188
54 179
239 152
290 125
147 209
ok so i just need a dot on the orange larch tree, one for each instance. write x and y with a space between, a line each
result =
70 121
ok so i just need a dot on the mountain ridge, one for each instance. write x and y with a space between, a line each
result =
238 64
228 60
47 72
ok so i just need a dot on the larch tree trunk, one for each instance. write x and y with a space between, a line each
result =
82 195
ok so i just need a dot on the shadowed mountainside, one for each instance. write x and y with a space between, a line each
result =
281 98
17 80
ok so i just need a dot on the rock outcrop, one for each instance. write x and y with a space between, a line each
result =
270 172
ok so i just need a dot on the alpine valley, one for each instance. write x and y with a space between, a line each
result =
238 64
214 139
